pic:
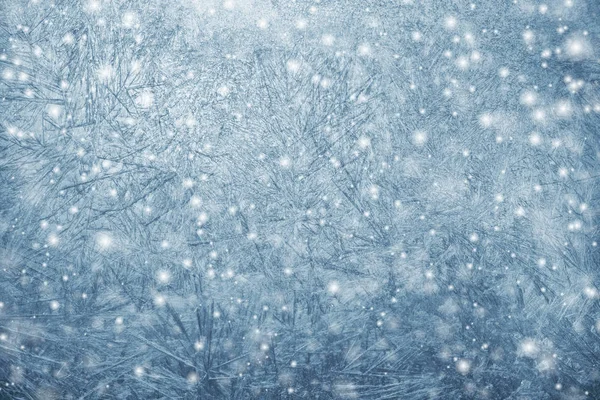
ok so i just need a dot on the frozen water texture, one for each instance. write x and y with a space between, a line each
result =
252 199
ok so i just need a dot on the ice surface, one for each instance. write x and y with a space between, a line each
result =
257 199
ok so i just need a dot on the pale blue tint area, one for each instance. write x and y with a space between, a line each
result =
257 199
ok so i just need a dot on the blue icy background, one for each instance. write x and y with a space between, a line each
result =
258 199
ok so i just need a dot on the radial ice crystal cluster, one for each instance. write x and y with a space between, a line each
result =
295 199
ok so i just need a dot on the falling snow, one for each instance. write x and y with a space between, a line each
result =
251 199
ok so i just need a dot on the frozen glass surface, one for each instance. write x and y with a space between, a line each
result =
294 199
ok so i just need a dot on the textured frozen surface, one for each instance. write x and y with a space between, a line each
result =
292 199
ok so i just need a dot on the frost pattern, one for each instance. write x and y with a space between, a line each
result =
293 199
